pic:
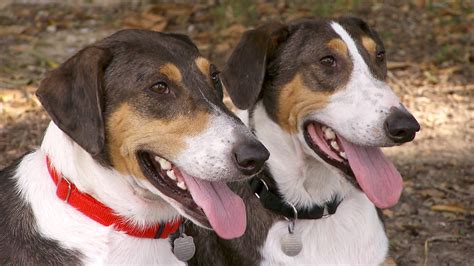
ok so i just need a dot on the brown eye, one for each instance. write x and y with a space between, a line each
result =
328 61
215 76
381 56
216 81
160 88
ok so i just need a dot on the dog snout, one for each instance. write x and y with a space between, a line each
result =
400 126
250 156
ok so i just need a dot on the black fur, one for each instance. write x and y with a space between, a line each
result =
72 97
20 242
245 70
243 251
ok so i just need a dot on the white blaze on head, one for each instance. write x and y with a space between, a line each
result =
358 110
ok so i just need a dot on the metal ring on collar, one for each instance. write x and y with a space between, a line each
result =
266 187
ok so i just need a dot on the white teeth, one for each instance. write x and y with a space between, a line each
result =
343 155
182 185
334 145
328 133
165 165
170 174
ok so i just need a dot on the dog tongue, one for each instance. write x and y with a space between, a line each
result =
223 208
376 175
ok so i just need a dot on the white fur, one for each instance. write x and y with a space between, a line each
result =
354 234
58 220
209 155
359 110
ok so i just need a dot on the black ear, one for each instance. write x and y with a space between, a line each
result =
72 96
244 72
357 22
182 37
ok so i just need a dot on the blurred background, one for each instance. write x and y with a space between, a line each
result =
430 60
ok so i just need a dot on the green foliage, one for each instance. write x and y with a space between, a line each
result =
228 12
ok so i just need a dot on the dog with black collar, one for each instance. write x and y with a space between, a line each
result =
314 93
139 138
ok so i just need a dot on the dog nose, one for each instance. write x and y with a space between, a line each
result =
250 156
401 126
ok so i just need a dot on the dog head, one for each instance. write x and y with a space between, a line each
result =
148 105
323 82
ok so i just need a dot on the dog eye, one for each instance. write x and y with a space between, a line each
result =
215 76
216 81
160 88
328 61
381 56
217 84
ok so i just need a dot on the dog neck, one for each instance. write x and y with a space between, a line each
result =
302 179
127 198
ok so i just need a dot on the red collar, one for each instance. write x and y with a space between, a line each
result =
102 214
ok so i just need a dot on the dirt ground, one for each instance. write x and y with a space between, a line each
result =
430 52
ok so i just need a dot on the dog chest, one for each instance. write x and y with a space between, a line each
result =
353 235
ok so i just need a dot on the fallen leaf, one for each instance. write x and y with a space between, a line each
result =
388 213
433 193
398 65
448 208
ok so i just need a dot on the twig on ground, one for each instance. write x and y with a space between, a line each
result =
437 238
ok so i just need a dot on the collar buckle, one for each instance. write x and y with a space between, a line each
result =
326 213
69 188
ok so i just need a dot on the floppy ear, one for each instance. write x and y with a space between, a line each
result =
244 72
72 96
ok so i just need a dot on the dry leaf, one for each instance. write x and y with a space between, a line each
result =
398 65
448 208
388 213
433 193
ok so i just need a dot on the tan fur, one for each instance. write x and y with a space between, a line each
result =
339 46
203 65
296 101
172 72
369 45
129 132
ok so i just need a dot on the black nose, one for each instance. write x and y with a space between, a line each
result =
401 126
250 156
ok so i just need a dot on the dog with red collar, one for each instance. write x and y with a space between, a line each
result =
314 92
139 138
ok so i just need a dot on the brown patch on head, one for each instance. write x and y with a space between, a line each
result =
128 132
203 65
369 44
172 72
339 46
296 101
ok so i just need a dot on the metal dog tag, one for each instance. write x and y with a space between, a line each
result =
184 248
291 245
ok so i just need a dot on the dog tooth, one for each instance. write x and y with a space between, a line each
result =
329 134
343 155
165 165
334 145
182 185
158 158
170 174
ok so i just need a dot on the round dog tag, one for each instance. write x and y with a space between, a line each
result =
291 245
184 248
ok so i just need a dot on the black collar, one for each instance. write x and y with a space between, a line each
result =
273 201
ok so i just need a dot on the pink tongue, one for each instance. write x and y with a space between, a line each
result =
224 209
376 175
